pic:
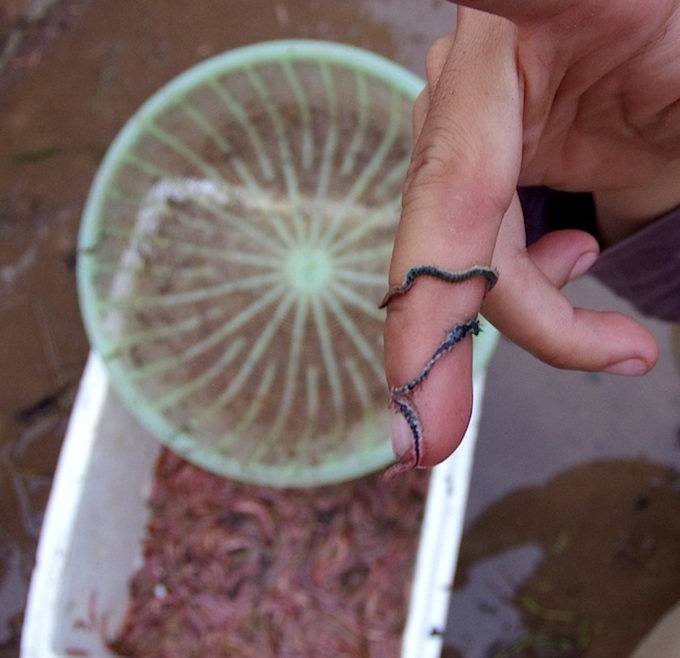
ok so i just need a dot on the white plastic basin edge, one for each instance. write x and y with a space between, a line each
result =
40 617
440 538
70 566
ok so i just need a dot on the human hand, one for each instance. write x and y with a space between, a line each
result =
577 95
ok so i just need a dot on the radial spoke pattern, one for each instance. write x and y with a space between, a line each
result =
240 257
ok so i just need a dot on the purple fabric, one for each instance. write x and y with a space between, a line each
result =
644 268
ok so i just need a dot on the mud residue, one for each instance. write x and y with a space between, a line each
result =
609 533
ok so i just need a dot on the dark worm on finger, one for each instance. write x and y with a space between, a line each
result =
401 400
401 397
438 273
453 337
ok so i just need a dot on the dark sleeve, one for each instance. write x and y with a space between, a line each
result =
644 268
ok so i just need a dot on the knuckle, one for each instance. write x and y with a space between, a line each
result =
434 162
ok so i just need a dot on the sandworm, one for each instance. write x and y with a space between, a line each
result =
438 273
401 397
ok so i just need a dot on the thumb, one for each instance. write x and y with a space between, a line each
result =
462 178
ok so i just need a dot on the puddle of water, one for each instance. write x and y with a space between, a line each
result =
607 569
484 608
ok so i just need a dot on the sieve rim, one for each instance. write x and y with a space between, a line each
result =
337 469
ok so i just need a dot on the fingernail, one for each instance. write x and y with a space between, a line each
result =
402 437
629 367
583 264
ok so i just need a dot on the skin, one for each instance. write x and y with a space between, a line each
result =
578 95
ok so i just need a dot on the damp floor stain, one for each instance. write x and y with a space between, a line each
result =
605 552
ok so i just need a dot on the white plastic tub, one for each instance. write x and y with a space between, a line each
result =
95 522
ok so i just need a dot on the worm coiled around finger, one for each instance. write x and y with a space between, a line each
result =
402 400
401 397
444 275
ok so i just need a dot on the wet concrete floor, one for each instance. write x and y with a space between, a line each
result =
68 82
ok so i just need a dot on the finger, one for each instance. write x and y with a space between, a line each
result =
420 109
564 255
462 178
436 58
443 401
528 308
467 155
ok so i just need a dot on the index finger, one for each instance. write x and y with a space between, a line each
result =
462 178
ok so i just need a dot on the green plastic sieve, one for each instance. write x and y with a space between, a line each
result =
233 250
